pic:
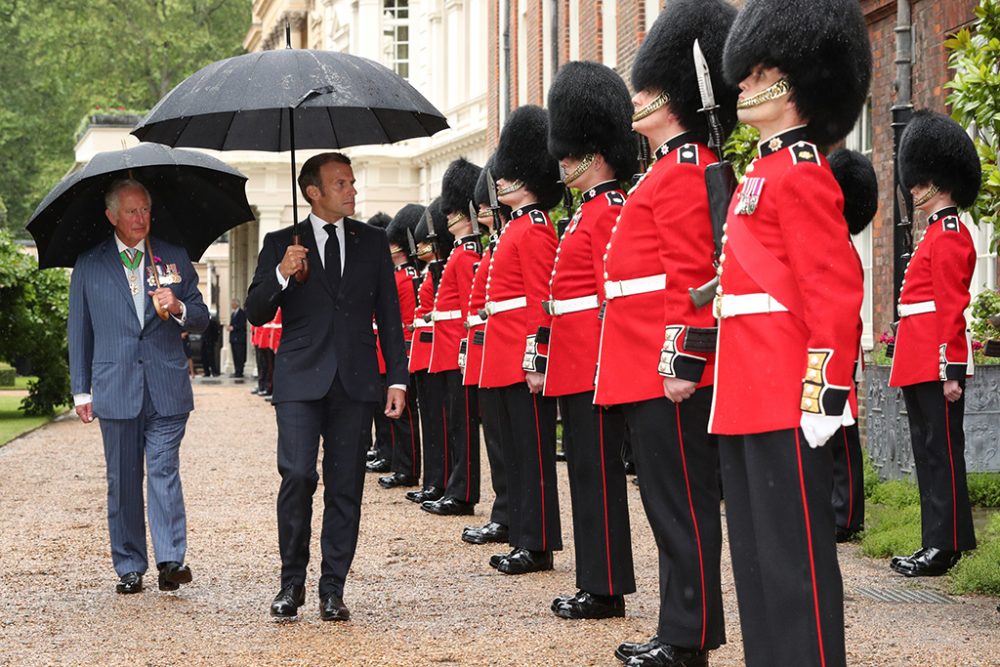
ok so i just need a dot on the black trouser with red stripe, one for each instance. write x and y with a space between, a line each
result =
383 428
848 479
938 438
528 436
430 396
677 463
494 453
602 535
781 538
462 425
406 435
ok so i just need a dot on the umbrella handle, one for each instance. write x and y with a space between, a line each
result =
302 275
160 310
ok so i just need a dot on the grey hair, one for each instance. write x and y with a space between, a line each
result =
111 196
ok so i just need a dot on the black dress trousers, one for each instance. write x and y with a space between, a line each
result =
462 427
383 429
602 535
784 552
406 436
528 436
494 453
430 397
337 419
677 463
938 439
848 479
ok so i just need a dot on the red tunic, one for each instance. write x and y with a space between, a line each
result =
933 346
789 240
273 336
453 295
579 272
520 267
477 301
423 333
664 229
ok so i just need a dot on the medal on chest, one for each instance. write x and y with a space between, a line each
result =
167 274
133 281
749 195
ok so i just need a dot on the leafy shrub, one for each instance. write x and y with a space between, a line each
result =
979 570
984 489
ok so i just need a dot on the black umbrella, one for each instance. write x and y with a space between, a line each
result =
196 199
290 98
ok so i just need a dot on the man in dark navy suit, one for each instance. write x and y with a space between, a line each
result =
326 375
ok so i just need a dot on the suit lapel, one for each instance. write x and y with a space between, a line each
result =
113 263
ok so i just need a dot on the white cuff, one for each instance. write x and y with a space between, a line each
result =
82 399
183 316
282 280
398 386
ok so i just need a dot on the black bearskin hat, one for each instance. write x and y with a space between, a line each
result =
665 61
406 218
590 111
856 176
522 155
380 220
821 46
458 186
482 194
440 222
935 149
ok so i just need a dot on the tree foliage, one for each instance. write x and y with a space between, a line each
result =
64 58
974 55
34 307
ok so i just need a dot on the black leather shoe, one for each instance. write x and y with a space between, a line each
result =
287 602
371 455
523 561
492 532
378 465
128 583
629 468
425 494
393 480
561 455
932 562
846 534
588 605
635 480
332 608
897 560
172 575
628 650
495 559
666 655
448 506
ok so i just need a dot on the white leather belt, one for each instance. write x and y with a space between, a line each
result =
750 304
557 307
919 308
615 289
494 307
445 315
419 323
474 320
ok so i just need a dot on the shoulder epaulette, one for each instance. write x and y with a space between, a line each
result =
471 245
804 151
412 272
688 154
615 198
950 224
538 218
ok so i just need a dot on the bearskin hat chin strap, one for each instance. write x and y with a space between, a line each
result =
584 165
927 196
778 89
513 187
658 102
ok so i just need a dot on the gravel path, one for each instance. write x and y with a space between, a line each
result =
418 595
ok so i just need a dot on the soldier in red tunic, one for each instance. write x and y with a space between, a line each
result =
788 304
513 359
656 345
430 389
859 184
932 358
496 530
451 308
589 133
405 463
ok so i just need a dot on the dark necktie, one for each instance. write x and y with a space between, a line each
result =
331 257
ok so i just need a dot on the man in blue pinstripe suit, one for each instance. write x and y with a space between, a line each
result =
128 369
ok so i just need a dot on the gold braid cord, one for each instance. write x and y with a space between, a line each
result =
513 187
779 88
580 168
658 102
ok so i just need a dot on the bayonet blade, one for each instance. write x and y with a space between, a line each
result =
491 188
704 76
429 221
412 243
904 210
474 217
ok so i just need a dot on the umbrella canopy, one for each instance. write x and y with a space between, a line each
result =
196 199
242 103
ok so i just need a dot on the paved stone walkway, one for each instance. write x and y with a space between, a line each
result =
418 595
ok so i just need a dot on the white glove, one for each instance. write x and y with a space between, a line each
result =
848 418
819 428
